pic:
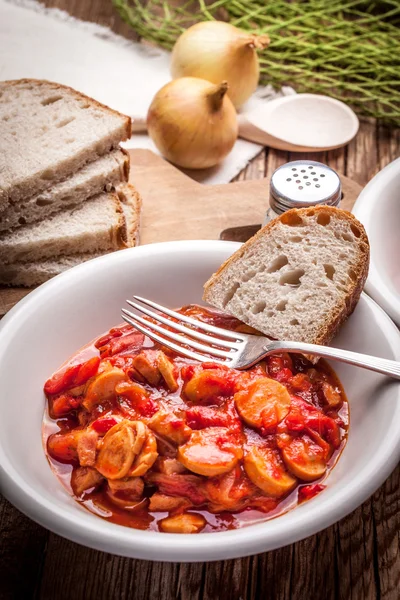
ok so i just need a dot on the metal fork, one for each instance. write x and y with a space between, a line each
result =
236 350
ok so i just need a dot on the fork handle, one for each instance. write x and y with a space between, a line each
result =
373 363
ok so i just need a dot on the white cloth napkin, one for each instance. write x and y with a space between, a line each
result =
37 42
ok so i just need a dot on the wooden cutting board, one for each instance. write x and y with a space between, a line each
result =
175 207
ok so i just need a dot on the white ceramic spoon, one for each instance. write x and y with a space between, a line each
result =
300 123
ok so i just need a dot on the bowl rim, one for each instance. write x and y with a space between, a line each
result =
363 209
109 537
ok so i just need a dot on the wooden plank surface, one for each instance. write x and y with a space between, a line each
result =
187 210
356 559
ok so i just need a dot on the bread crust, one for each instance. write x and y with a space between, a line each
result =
119 232
58 86
337 317
129 194
126 167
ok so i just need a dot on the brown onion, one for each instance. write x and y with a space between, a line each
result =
192 122
218 51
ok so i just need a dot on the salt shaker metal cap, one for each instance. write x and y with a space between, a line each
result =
303 183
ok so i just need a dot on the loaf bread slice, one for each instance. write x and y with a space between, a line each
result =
98 176
96 225
298 278
30 274
48 132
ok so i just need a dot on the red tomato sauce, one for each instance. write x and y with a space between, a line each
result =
148 439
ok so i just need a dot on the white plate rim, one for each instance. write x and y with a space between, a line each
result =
363 211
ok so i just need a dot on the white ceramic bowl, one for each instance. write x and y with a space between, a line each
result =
378 209
62 315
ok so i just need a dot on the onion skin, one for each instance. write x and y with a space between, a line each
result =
192 122
218 51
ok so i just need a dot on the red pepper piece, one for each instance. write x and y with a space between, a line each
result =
283 376
214 365
71 376
187 372
200 417
277 362
146 407
87 370
269 417
61 380
106 339
131 341
302 414
306 492
64 404
332 431
104 424
295 420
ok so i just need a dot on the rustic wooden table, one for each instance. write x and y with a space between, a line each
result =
356 559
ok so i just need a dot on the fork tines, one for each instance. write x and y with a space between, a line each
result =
183 344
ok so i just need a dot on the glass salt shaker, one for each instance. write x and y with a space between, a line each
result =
302 183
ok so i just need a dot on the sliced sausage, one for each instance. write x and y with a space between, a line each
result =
137 397
264 395
102 387
209 452
140 433
167 371
208 385
63 446
305 459
229 491
184 523
146 458
171 427
265 469
116 453
120 446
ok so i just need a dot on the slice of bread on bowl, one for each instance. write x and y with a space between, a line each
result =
299 278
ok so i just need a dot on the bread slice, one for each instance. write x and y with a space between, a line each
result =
30 274
298 278
98 176
97 225
48 132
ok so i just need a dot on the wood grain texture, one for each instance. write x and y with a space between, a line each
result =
188 210
356 559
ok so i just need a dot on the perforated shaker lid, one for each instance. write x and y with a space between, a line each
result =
304 183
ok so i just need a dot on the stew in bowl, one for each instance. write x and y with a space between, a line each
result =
148 439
